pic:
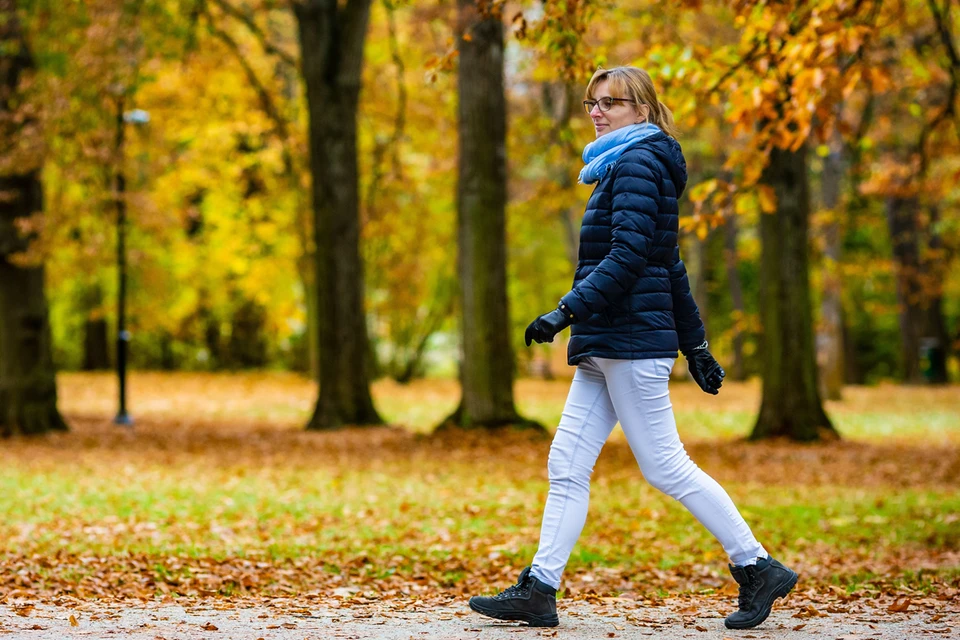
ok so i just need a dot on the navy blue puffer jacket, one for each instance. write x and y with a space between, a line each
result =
631 297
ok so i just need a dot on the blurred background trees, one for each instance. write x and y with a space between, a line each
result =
228 211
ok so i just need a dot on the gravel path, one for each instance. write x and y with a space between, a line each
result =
290 620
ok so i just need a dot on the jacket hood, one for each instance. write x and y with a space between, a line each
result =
671 155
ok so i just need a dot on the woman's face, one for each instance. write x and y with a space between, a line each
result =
620 114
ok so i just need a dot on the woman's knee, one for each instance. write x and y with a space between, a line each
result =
563 468
670 475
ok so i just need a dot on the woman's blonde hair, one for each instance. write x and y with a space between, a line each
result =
634 83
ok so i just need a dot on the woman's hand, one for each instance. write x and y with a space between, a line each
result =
705 369
548 325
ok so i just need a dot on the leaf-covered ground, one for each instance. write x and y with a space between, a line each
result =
218 496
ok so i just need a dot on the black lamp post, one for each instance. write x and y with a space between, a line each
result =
137 117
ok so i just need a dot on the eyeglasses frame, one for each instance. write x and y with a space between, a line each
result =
596 103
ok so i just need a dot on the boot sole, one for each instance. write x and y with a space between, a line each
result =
782 592
547 620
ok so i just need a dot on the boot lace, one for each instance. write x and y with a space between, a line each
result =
748 590
513 591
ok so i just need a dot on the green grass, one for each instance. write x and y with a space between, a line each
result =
161 511
271 493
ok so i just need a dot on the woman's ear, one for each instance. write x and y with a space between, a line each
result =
643 114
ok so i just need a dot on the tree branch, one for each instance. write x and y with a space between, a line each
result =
266 100
950 108
252 26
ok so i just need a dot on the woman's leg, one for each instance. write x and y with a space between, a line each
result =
639 393
588 418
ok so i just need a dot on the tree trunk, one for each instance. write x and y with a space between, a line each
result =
830 336
790 404
730 231
852 373
247 346
331 41
487 369
935 344
698 272
212 340
557 101
96 343
307 269
28 388
902 223
694 252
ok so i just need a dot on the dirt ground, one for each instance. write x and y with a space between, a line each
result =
297 619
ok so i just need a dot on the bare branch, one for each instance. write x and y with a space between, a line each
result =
940 17
252 26
266 100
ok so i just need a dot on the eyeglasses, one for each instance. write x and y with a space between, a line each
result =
604 103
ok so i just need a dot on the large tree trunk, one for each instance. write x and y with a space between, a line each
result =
331 41
28 388
830 336
791 404
486 371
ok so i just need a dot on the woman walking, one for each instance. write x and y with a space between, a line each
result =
631 311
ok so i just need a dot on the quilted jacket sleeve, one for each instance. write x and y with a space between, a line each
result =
634 220
690 329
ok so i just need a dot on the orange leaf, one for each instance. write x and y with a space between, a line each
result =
900 605
768 199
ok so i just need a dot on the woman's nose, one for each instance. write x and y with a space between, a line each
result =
596 108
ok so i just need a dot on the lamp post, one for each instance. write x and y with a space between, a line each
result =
136 117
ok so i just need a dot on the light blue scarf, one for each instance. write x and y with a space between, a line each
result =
600 154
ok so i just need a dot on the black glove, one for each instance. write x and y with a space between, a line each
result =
545 327
705 369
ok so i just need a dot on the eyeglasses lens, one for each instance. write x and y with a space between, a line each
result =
603 103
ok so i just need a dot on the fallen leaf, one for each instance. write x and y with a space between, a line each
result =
73 621
210 627
900 605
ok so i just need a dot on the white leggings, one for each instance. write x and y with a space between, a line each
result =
636 392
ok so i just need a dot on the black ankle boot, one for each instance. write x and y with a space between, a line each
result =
530 601
760 585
